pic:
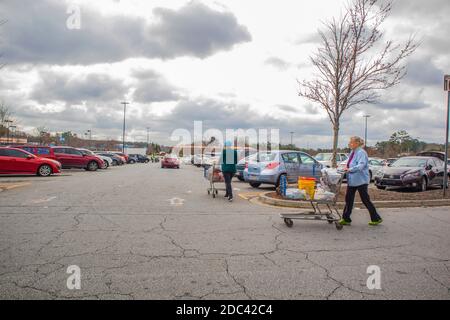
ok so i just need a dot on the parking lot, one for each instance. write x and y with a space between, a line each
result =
142 232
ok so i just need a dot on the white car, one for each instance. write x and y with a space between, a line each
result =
107 160
325 158
375 165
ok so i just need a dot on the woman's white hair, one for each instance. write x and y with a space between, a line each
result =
358 140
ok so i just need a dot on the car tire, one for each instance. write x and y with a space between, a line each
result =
44 170
115 163
255 184
147 161
381 188
240 178
132 162
92 166
370 176
423 186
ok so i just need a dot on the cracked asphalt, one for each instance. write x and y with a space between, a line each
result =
132 240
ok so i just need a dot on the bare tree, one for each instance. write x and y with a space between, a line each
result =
350 70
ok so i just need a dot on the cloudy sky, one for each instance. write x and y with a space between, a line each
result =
230 63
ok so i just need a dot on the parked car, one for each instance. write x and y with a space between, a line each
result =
68 157
413 172
389 161
19 161
170 161
140 158
123 155
268 167
107 160
116 160
325 158
242 165
186 160
375 164
438 154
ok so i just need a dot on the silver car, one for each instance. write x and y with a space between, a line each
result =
267 168
375 165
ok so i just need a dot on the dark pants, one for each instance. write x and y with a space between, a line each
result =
228 176
350 199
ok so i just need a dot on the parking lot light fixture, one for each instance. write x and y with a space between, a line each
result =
124 118
446 88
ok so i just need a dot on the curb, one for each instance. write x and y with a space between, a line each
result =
379 204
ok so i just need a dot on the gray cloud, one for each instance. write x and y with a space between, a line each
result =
54 86
36 32
423 71
277 63
152 87
402 105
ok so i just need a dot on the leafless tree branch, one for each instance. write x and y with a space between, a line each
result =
347 72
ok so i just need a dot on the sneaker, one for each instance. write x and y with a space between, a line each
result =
230 199
225 196
375 223
344 222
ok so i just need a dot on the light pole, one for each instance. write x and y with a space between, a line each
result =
292 138
365 131
148 139
123 134
446 88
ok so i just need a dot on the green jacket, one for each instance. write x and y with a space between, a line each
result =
229 160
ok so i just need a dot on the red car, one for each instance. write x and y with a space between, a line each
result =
17 161
170 161
123 155
68 157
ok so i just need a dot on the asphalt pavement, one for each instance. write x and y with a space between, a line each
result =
142 232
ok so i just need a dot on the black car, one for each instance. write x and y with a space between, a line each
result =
139 158
117 161
416 172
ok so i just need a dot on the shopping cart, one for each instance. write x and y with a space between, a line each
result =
214 175
332 181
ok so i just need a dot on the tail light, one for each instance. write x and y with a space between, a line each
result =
272 165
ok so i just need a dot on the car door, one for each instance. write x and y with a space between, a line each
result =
309 167
19 162
439 171
77 158
63 157
5 162
291 163
432 172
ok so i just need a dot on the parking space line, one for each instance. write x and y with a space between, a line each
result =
10 186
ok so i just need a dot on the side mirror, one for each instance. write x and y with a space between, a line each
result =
30 157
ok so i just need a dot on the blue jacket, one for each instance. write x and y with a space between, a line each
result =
358 173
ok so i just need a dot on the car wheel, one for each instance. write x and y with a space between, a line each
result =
423 186
240 178
255 184
132 162
44 170
115 163
92 166
381 188
370 175
147 161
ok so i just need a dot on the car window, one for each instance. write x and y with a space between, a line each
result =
43 151
16 154
28 149
290 158
343 157
306 159
60 150
266 157
375 163
73 152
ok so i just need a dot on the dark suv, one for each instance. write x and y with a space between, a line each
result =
139 158
68 157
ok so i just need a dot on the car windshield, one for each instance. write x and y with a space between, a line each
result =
410 162
324 157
